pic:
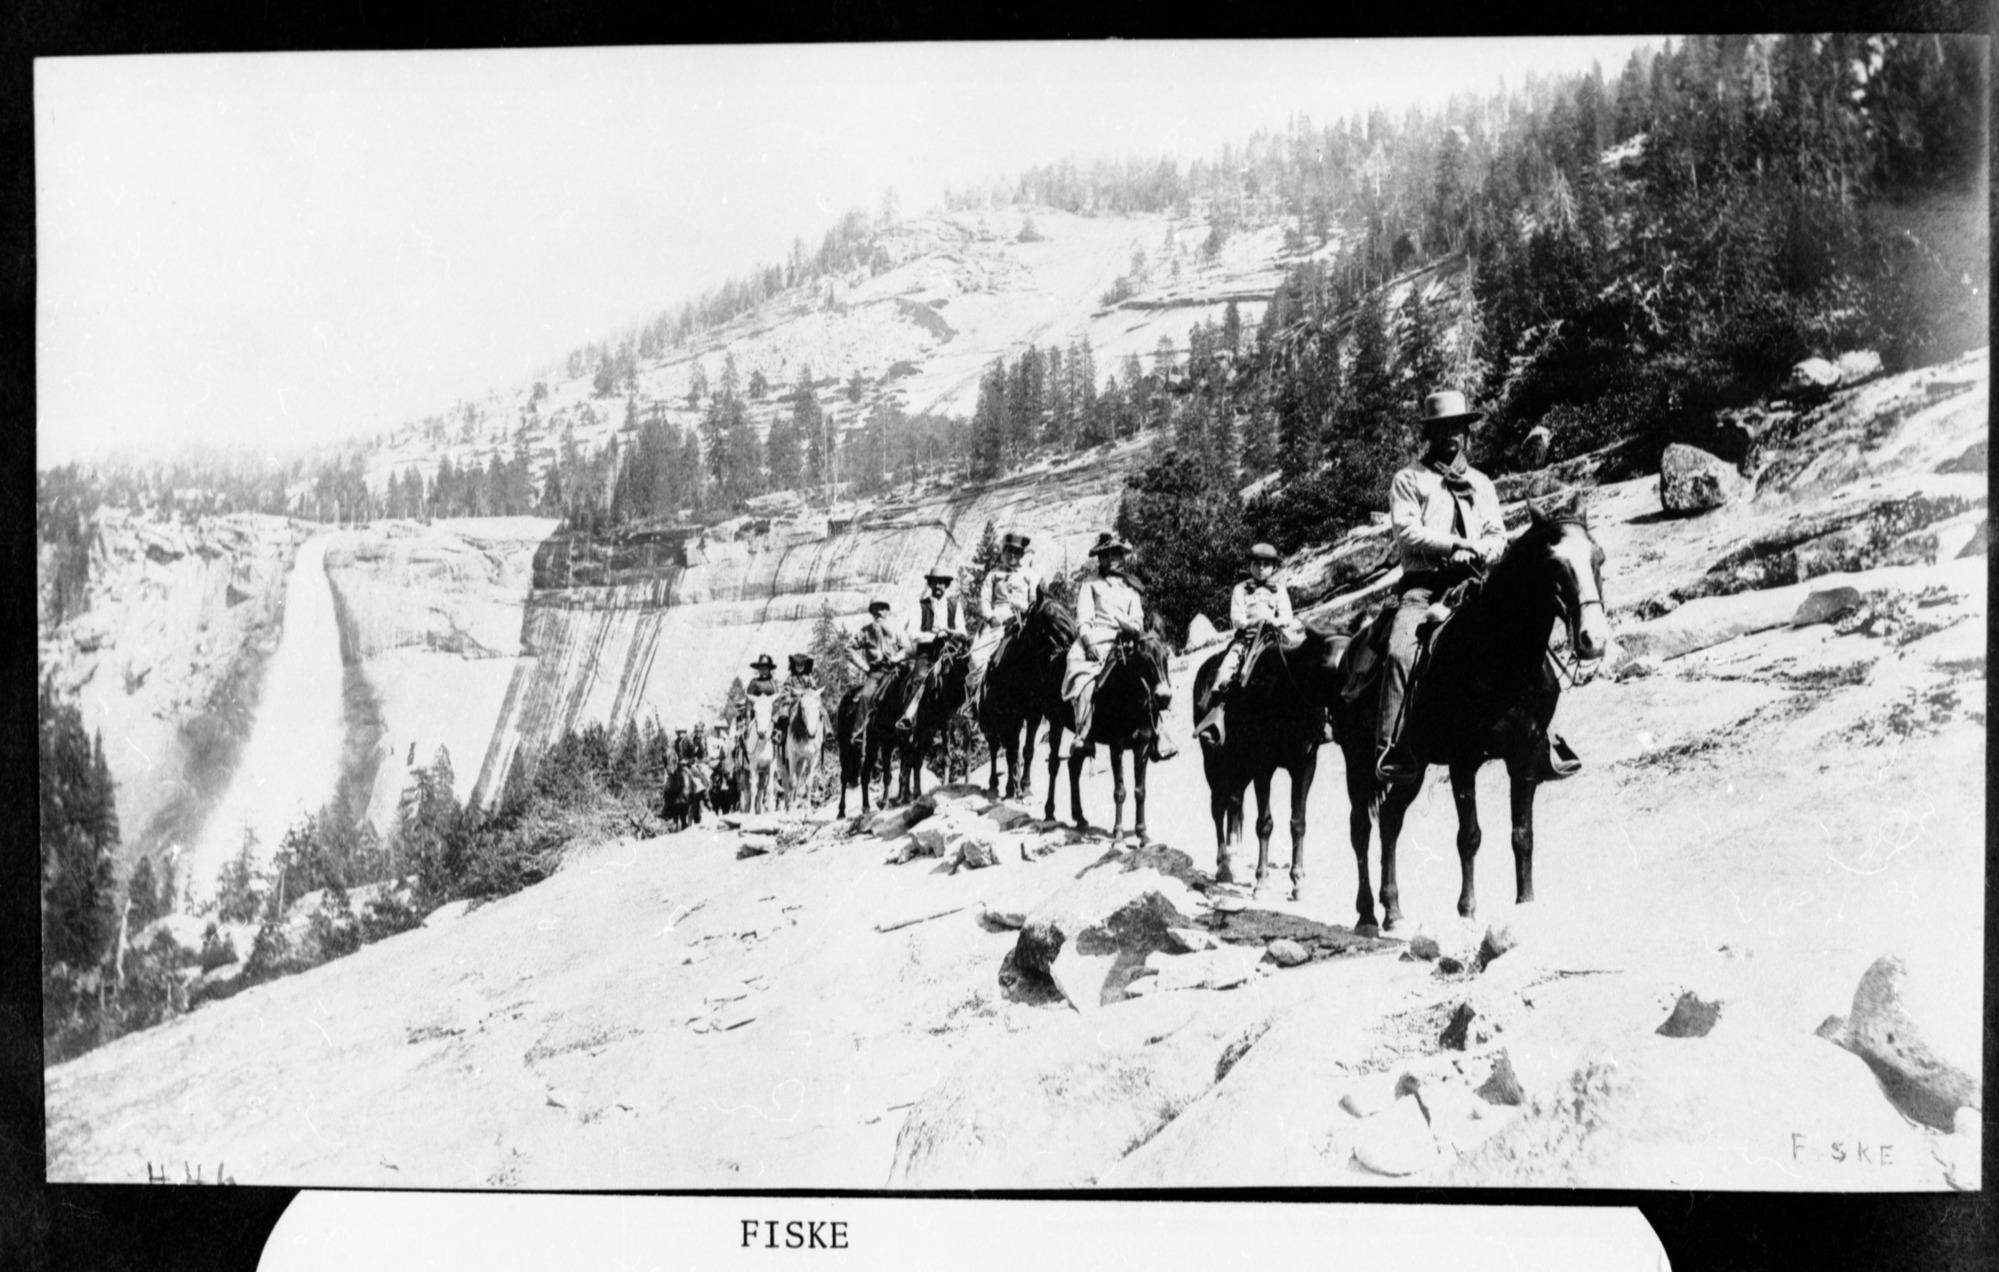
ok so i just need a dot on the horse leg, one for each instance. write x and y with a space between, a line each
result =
1023 731
1263 828
1138 762
1395 802
1075 791
1523 838
1464 793
1301 792
1117 794
1054 768
1218 808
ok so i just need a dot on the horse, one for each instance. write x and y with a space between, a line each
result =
1489 692
723 791
1121 721
676 798
804 733
938 691
1023 687
859 754
1272 720
758 747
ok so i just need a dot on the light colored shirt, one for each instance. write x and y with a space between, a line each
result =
1100 603
1005 593
879 642
1253 602
1421 511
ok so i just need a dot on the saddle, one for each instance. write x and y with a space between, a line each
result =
1362 663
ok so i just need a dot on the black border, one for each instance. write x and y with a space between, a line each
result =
122 1226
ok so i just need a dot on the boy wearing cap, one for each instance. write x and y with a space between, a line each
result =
1257 605
1447 526
1004 596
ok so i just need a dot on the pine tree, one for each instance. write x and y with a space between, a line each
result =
79 836
1423 366
781 453
809 426
697 383
971 582
828 647
989 424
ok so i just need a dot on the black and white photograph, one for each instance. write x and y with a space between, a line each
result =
1062 616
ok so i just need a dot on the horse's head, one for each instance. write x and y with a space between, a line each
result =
808 718
760 708
1576 569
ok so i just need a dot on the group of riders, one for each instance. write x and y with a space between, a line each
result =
1446 525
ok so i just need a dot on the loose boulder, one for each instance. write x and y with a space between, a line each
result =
1813 376
1828 605
1201 633
1092 938
1692 480
1503 1086
1856 365
1886 1029
1396 1141
1693 1016
1287 953
1458 1030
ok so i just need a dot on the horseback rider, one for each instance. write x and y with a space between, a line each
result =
1003 599
763 685
1258 607
700 740
880 649
799 677
940 616
1447 527
1109 607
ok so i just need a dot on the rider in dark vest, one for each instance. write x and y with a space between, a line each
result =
940 615
1448 527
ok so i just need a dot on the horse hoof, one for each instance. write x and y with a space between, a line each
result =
1296 894
1368 929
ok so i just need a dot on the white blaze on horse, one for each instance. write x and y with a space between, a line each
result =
804 741
760 748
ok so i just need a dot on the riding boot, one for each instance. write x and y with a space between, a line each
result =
1162 746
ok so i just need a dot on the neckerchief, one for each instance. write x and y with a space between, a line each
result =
1457 481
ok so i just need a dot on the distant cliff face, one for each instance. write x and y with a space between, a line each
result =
667 647
431 624
166 659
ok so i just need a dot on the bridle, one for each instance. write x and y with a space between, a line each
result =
1578 671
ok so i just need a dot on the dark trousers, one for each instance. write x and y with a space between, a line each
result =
1409 610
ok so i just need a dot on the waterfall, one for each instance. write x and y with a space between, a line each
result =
291 763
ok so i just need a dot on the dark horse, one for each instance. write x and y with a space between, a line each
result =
860 755
1023 688
1121 720
937 688
1488 693
678 800
1273 720
724 790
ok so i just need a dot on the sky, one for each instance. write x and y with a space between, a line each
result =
279 250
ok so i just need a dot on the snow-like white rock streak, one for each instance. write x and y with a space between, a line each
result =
291 763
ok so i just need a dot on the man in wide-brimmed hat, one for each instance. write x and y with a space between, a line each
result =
878 648
762 685
1008 590
1257 605
940 617
1447 527
1108 607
